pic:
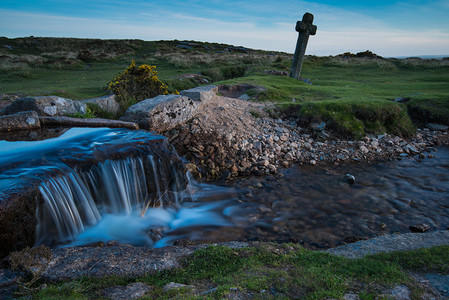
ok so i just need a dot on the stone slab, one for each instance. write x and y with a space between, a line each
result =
392 243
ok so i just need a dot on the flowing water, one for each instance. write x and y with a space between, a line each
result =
317 207
130 186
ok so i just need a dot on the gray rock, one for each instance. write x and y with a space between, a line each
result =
9 283
131 291
8 277
46 106
19 121
391 243
202 93
438 127
351 297
245 97
439 282
401 99
410 149
174 285
107 103
363 149
121 261
400 292
162 113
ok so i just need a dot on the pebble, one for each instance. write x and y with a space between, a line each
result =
419 228
349 178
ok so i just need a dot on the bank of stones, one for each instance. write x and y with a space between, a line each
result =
279 143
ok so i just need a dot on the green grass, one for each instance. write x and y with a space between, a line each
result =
351 95
286 270
355 98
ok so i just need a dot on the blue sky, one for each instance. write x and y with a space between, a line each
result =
388 28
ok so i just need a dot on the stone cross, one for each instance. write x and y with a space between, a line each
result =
305 28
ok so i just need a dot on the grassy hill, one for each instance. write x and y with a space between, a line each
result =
352 93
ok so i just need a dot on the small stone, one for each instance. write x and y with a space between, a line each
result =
349 178
351 297
313 162
363 149
410 149
263 209
419 228
131 291
264 163
173 285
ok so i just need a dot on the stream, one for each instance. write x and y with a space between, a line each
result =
317 207
92 190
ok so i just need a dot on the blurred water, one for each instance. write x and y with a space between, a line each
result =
317 207
100 185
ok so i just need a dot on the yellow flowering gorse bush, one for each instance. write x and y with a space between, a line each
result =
137 83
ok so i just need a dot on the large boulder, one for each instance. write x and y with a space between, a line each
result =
17 217
52 106
19 121
201 93
162 113
106 103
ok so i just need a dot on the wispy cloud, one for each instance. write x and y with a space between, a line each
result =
265 25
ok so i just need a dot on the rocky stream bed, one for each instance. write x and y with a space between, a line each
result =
222 139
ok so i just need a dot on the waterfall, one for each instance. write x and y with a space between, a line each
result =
126 187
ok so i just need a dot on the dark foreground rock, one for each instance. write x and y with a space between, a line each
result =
19 121
391 243
121 261
17 219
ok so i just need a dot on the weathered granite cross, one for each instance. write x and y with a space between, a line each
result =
305 28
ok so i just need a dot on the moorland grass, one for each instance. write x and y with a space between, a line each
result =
286 269
353 95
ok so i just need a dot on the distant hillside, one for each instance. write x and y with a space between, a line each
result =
71 49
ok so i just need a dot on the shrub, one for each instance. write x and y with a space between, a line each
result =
136 84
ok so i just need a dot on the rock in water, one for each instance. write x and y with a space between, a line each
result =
349 178
419 228
162 113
